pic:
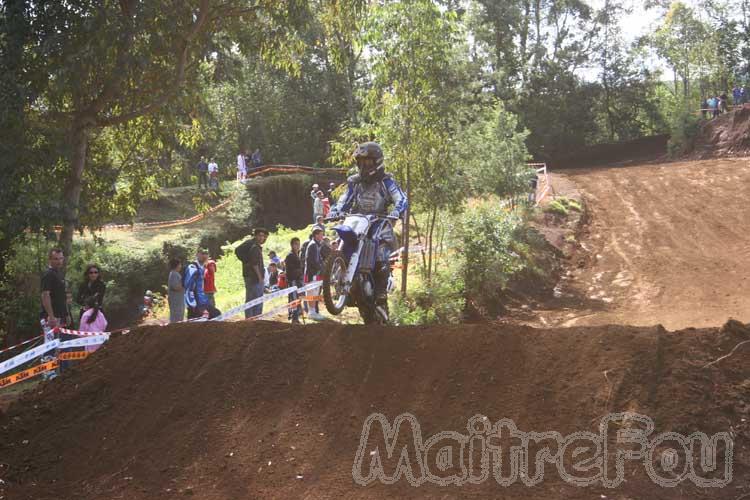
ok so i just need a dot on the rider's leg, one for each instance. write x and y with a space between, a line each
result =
381 273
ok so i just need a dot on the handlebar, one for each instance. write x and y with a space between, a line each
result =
344 216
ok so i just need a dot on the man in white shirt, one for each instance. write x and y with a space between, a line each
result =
213 175
241 167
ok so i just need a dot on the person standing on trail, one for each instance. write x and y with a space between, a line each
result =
202 173
213 174
294 277
723 98
257 159
54 307
195 296
175 292
318 206
92 287
241 167
313 266
209 284
250 253
704 108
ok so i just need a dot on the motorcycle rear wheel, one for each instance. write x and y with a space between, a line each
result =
334 277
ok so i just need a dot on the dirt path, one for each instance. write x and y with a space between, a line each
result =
668 244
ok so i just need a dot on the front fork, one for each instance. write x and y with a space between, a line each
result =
351 269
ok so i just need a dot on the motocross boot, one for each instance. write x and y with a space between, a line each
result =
381 274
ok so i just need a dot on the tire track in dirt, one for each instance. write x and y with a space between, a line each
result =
669 245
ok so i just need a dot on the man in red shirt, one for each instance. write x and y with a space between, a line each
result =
209 281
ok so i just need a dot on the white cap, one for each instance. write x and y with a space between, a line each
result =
315 185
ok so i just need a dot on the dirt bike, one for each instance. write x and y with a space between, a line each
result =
348 279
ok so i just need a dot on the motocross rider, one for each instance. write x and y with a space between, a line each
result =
371 192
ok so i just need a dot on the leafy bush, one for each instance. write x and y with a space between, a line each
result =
562 206
440 303
684 126
493 252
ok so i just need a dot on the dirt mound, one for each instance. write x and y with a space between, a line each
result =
723 136
234 411
599 155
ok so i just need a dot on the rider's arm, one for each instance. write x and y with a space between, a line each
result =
346 201
400 202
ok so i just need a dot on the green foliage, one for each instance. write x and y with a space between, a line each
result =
684 127
562 206
493 154
442 302
490 248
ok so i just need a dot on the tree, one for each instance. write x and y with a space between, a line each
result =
414 102
681 40
112 62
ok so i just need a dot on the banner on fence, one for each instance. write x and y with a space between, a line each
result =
27 374
29 355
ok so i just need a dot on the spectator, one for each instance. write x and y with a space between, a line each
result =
737 95
326 206
313 267
257 159
195 296
202 173
92 287
294 277
713 106
318 207
272 257
241 167
723 98
533 182
93 320
704 108
209 284
54 308
213 174
250 254
175 292
272 277
331 189
319 223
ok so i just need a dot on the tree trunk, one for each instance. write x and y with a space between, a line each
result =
73 186
405 263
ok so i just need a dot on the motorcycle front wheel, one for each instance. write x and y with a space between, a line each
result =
334 280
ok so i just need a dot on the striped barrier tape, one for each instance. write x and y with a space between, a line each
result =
20 344
85 341
260 300
27 374
272 312
89 334
27 356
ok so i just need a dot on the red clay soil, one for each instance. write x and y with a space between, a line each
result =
235 411
664 244
724 136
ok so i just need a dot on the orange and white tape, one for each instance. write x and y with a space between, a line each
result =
28 374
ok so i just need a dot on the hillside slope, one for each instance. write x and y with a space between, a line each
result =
266 410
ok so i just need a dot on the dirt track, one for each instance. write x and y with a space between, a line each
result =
235 411
668 244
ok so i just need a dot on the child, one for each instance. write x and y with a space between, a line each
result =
93 319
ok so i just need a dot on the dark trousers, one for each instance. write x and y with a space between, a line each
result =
203 179
253 290
294 312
